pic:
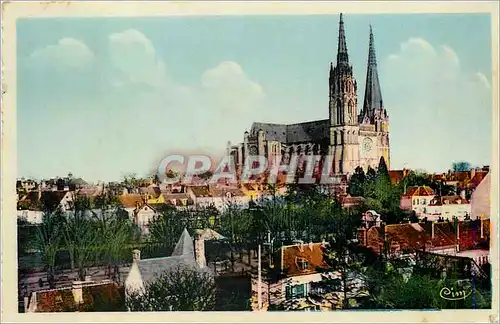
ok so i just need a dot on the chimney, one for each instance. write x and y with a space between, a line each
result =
311 246
462 194
136 256
199 247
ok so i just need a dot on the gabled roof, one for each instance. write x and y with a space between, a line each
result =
184 245
144 206
131 200
108 296
406 236
152 190
481 198
419 191
448 200
183 256
312 253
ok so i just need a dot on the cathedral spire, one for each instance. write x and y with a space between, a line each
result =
373 95
342 56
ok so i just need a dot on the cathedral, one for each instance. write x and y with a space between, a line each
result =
351 139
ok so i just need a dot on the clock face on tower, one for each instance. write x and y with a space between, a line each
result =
367 145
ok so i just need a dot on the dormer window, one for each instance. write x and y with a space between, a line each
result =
302 264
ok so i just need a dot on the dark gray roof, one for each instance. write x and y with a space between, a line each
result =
373 94
151 268
185 245
183 256
273 132
342 55
294 133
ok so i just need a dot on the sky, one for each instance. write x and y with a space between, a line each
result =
105 97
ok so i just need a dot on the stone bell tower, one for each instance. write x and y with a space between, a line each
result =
344 129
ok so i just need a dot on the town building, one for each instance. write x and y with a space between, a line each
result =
81 296
448 207
481 199
351 137
417 199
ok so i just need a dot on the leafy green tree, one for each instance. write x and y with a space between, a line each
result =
48 241
80 238
344 256
356 182
179 289
382 171
168 226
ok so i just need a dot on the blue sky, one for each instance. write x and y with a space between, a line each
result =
102 97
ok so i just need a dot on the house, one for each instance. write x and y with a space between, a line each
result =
481 199
143 215
396 176
417 198
445 238
178 200
218 196
31 216
130 202
348 201
298 266
447 207
82 296
46 200
143 271
139 210
152 194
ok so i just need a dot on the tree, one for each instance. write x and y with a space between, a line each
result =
382 171
356 183
344 255
167 227
80 238
177 289
461 166
48 241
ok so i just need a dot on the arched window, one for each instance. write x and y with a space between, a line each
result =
339 112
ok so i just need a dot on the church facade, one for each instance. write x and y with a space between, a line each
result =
352 137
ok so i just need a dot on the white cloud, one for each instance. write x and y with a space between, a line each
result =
68 52
137 112
133 60
425 87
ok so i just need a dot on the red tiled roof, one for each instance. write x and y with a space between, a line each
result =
458 176
419 191
396 175
130 201
310 252
477 178
448 200
105 297
406 236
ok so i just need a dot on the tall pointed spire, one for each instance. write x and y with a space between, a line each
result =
373 95
342 56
